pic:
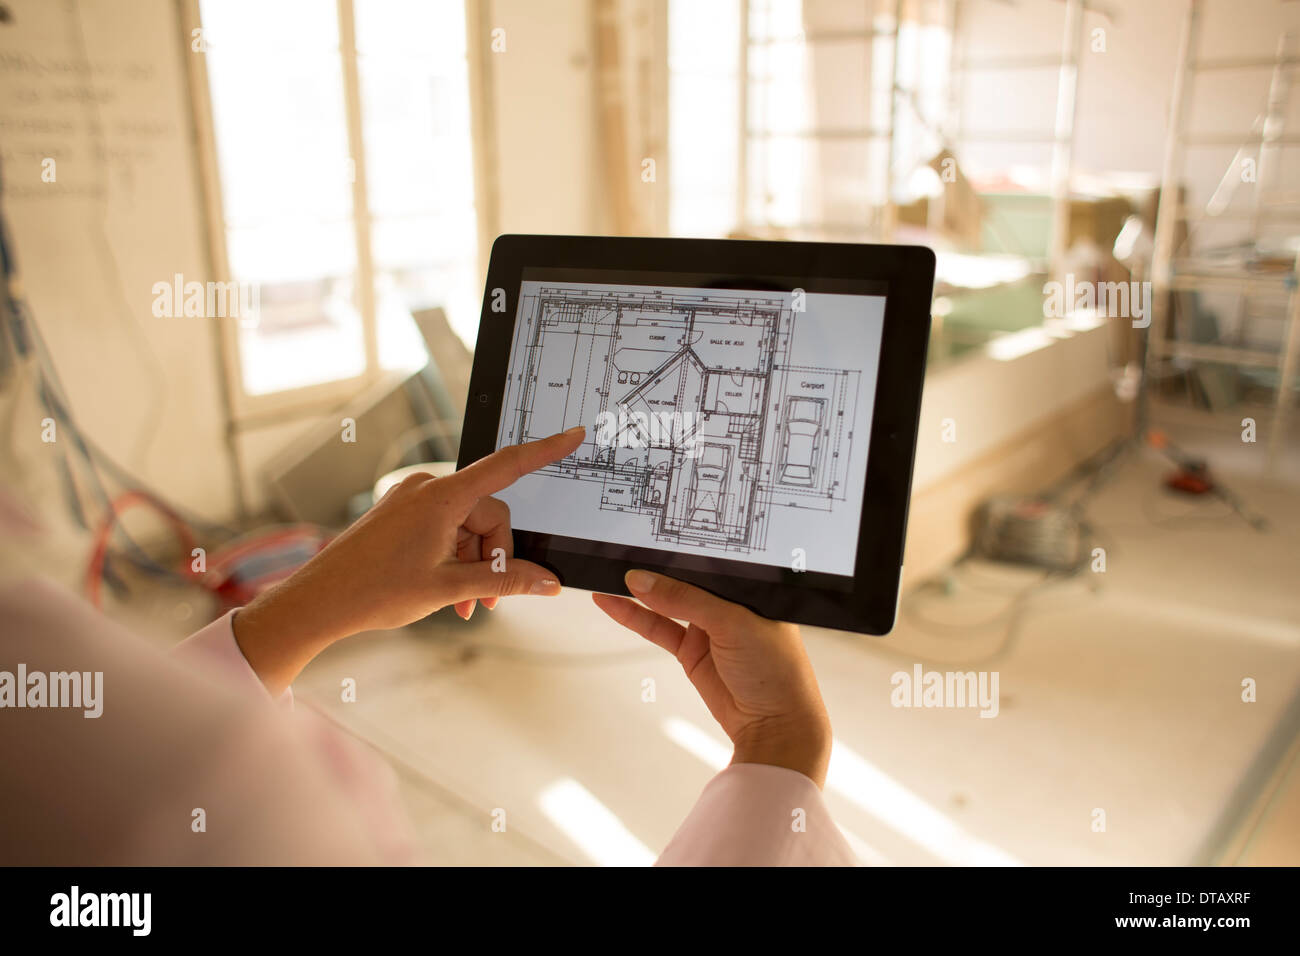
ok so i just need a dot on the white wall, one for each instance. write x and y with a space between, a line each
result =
122 214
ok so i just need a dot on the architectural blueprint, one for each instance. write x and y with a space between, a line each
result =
731 423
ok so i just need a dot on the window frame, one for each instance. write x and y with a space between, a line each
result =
244 409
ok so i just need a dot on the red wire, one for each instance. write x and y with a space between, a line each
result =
95 569
219 562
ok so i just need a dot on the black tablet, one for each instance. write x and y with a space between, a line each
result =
751 412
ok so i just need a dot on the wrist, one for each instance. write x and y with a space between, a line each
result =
799 744
279 633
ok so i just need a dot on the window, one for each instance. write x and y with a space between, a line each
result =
415 109
779 152
703 122
823 114
306 96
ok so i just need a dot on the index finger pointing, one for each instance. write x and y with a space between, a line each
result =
503 468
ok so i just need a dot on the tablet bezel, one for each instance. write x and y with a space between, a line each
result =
865 603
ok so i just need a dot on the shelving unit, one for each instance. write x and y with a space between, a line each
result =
1173 271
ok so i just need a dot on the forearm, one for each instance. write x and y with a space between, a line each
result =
284 628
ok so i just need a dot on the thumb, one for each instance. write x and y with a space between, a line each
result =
684 602
467 580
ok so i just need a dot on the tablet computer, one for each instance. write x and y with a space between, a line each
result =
751 412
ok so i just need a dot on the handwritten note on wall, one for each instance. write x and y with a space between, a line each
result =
78 115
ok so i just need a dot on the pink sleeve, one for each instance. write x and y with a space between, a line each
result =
182 770
213 652
367 782
759 815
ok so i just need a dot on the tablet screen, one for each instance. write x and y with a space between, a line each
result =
728 418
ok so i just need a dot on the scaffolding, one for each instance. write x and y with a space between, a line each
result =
950 131
1174 271
1065 62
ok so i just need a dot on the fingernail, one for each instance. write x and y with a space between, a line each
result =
576 429
639 582
548 586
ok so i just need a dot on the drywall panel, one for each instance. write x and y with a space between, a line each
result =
102 201
973 406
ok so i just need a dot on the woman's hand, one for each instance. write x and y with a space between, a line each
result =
427 543
753 674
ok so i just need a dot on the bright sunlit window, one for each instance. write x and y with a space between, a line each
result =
280 103
415 108
703 123
779 151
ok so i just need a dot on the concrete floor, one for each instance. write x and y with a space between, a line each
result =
1119 692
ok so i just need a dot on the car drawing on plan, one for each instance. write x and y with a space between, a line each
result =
706 491
801 443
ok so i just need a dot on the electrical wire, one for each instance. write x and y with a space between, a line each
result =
1012 614
58 410
54 398
1188 518
148 430
1015 613
1097 470
1008 611
29 341
96 567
